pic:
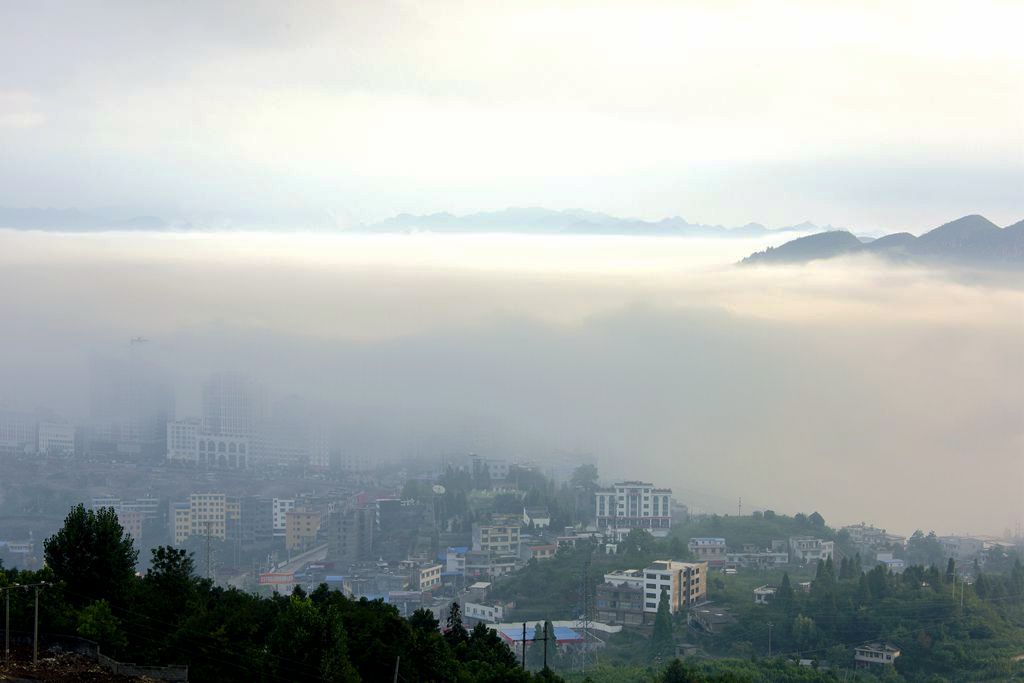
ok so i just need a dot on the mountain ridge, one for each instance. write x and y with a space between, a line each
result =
968 240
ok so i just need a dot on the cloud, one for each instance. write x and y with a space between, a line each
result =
863 391
648 110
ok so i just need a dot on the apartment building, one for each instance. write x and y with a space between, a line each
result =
685 582
634 505
301 528
631 596
496 539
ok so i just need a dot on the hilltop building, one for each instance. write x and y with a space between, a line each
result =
631 505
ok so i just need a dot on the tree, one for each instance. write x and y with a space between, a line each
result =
551 644
535 651
93 557
662 644
485 645
676 672
638 541
455 633
816 519
585 476
785 593
97 622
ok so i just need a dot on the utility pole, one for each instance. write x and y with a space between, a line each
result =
769 639
208 550
739 507
35 632
545 645
7 624
398 658
523 643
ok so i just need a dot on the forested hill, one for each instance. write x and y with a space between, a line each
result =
971 240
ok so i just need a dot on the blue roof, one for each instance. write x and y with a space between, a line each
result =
562 633
458 548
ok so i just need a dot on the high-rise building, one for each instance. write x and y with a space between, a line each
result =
17 433
131 403
233 405
55 438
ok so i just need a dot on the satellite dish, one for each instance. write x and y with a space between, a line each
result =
438 489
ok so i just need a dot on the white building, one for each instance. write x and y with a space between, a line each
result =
540 518
455 560
183 441
490 614
17 433
875 653
961 548
634 505
188 442
685 583
804 549
55 438
281 507
764 594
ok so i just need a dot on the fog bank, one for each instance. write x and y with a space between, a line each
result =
867 392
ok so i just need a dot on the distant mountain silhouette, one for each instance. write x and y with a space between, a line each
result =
971 240
73 220
536 220
522 220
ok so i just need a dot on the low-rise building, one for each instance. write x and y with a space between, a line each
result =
543 552
881 654
893 564
709 549
764 594
482 612
760 559
711 619
962 549
620 603
426 577
805 549
538 518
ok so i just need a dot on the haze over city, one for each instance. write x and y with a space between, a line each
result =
567 342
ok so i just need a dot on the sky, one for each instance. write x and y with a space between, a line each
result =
889 115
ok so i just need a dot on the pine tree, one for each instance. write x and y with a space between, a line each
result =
785 592
661 640
455 633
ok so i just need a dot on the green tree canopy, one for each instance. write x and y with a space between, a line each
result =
93 557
